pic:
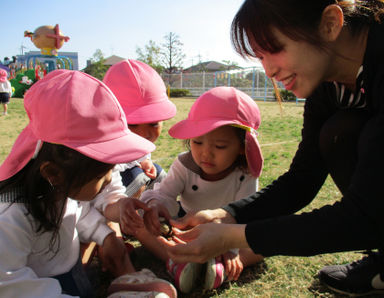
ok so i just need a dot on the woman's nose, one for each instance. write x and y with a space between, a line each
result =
269 67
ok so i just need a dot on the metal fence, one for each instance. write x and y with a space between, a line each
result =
252 81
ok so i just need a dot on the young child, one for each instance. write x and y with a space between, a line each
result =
61 160
5 91
142 95
222 166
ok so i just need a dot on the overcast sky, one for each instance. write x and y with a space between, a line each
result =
117 27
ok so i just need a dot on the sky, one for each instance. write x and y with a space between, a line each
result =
118 27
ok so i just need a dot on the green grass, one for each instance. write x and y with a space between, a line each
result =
278 276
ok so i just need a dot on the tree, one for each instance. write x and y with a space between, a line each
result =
150 55
97 68
172 53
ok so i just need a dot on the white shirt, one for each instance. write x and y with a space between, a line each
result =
25 263
199 194
5 87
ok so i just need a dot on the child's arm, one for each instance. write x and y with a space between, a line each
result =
110 197
92 225
169 188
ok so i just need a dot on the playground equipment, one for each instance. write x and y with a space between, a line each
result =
49 40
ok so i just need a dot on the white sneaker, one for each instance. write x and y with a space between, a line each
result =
143 283
214 275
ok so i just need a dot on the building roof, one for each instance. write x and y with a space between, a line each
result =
111 60
210 66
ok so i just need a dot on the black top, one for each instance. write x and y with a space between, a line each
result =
357 220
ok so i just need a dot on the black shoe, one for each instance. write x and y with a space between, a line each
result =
355 279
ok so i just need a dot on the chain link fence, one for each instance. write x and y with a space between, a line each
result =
252 81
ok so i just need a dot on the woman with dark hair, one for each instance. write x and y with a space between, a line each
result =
331 53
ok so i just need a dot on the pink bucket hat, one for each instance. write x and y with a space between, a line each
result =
140 91
3 75
224 106
76 110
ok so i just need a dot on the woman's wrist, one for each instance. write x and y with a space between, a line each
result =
237 238
222 216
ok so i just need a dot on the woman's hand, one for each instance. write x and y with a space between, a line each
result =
204 242
191 219
130 220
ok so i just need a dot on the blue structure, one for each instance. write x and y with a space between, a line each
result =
67 60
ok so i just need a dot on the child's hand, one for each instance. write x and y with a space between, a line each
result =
151 217
130 220
233 265
113 255
149 168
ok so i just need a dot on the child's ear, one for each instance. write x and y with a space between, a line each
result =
51 172
332 21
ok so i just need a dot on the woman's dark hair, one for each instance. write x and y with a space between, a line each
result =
297 19
46 203
241 161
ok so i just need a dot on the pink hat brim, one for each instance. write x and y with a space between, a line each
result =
21 153
122 151
154 112
253 154
186 129
113 151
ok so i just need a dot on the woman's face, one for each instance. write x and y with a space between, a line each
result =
300 66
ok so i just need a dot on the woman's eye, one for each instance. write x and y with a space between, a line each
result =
196 142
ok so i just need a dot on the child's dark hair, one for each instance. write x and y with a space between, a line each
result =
241 161
297 19
45 202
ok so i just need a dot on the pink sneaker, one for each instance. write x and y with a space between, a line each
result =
215 274
185 275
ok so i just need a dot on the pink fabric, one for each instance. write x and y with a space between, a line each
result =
76 110
140 91
3 75
224 106
220 274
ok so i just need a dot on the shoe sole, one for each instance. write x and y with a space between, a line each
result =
373 292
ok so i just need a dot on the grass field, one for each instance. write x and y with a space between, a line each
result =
278 276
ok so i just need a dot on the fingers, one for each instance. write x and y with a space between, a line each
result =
233 266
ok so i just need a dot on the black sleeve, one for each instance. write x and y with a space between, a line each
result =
355 222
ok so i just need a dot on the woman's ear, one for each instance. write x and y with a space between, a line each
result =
332 21
51 172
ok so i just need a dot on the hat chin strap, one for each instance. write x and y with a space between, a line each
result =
37 149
